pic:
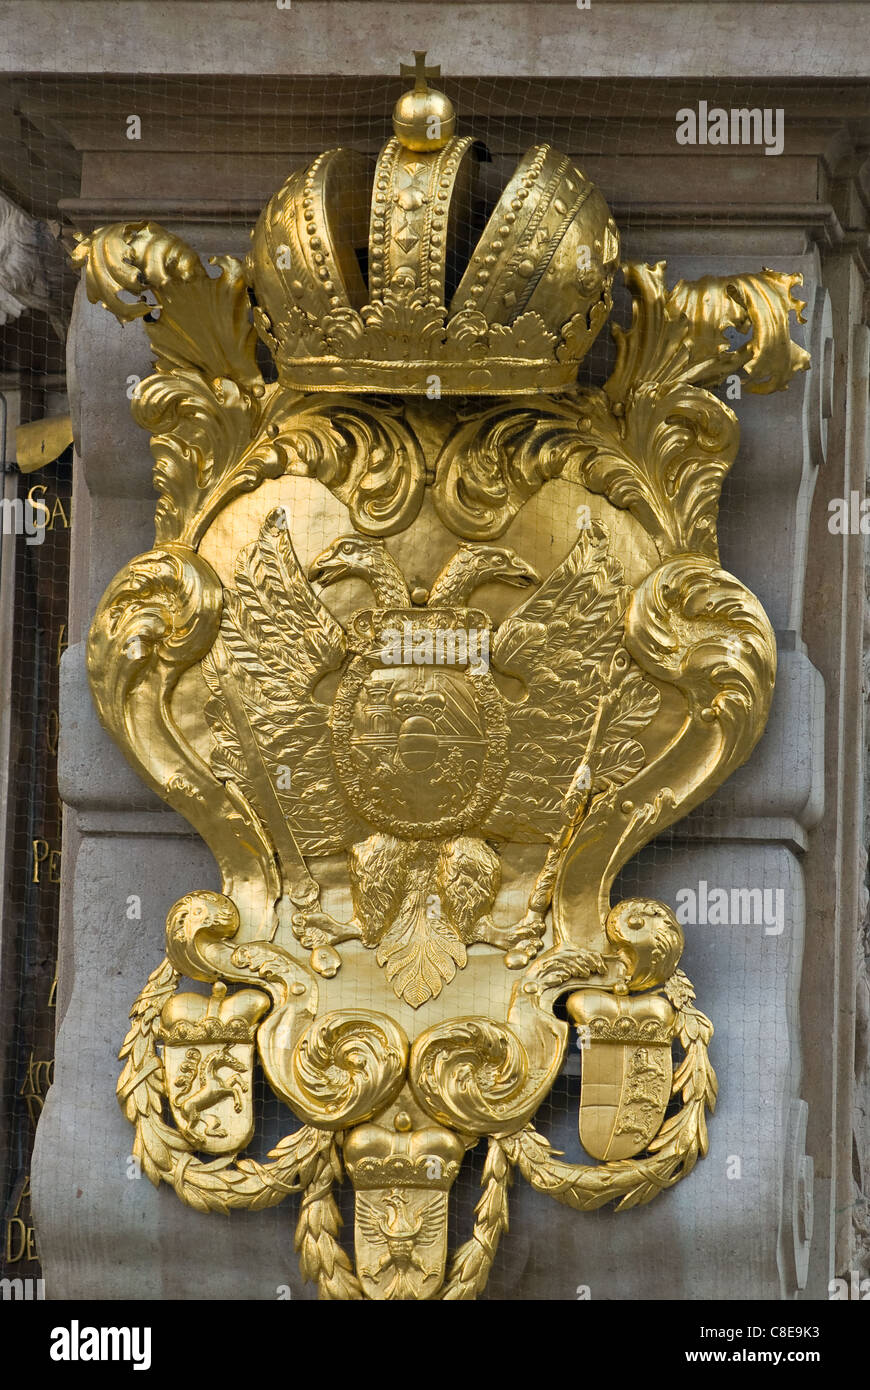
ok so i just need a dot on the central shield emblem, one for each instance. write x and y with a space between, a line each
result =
418 728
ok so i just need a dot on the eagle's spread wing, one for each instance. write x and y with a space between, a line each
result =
369 1218
431 1226
268 730
565 645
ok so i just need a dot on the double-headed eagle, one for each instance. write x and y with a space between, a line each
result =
420 772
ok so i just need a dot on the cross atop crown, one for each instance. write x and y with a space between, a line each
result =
420 73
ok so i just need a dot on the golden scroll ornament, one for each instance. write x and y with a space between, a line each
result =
431 641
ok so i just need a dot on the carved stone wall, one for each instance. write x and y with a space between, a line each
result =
786 995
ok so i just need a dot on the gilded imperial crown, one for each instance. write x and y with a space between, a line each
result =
527 306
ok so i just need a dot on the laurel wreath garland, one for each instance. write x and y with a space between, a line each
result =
472 1262
675 1150
307 1161
322 1260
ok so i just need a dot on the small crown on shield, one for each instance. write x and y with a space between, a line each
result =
621 1018
422 637
217 1017
410 702
376 1157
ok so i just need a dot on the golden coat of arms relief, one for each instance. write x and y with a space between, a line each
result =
431 641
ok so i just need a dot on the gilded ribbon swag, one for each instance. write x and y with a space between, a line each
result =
422 746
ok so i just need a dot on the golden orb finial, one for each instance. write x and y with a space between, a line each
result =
423 119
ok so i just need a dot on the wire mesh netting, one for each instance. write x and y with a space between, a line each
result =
202 156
